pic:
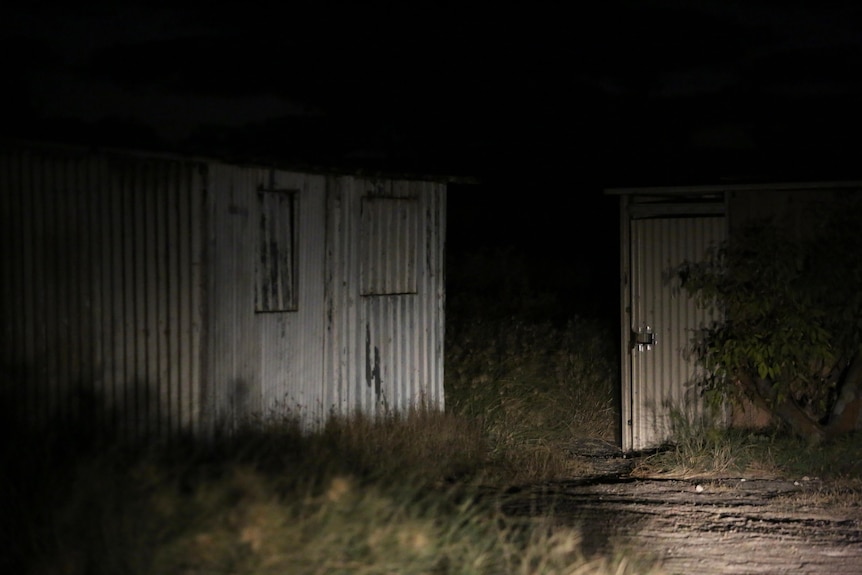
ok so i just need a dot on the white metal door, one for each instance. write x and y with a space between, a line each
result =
661 318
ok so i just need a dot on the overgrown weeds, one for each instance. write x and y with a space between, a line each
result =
533 387
702 446
362 495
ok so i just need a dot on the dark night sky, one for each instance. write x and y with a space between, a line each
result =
545 103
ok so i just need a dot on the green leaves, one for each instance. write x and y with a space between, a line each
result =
792 299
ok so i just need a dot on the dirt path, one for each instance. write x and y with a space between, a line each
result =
707 527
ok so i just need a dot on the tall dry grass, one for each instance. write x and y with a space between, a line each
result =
396 493
534 387
363 495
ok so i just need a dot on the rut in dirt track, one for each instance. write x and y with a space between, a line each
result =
730 526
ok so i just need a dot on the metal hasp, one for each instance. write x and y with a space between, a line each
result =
644 338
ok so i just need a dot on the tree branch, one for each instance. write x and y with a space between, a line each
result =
846 410
764 394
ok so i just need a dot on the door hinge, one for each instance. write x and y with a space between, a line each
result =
644 338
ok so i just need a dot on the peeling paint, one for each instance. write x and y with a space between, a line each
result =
372 368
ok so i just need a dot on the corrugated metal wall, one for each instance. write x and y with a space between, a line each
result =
367 330
386 294
662 376
132 279
264 364
102 300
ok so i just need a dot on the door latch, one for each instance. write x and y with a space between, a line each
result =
644 338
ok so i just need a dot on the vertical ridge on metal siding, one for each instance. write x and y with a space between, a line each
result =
333 395
95 289
192 310
169 276
431 319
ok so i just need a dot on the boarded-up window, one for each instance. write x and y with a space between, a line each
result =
390 233
277 256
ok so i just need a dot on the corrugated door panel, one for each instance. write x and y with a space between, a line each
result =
292 342
662 375
385 294
265 360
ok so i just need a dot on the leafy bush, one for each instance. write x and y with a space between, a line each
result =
791 296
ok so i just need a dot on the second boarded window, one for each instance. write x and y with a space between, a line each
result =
389 245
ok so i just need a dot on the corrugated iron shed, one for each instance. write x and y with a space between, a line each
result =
155 294
661 227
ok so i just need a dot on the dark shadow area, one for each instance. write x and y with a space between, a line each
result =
524 251
555 240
